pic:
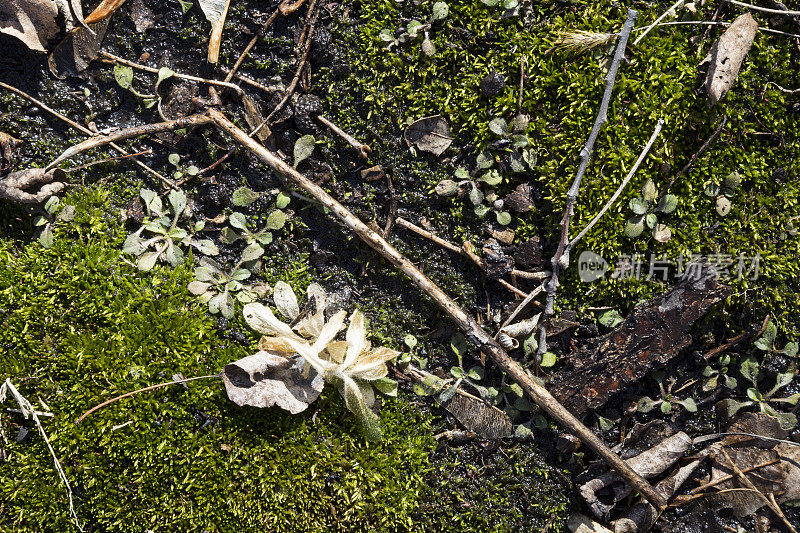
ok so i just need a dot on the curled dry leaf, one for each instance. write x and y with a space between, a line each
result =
430 134
15 186
727 55
265 379
31 21
8 146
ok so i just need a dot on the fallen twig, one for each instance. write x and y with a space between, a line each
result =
621 187
282 9
188 77
572 194
86 131
764 9
659 19
145 389
27 409
363 149
468 325
697 154
127 133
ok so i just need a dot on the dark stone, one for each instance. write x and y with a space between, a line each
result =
528 254
493 84
496 261
521 200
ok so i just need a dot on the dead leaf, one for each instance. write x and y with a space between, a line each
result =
578 523
254 118
372 174
105 9
215 12
31 21
74 53
142 16
8 145
265 379
487 421
430 134
727 55
781 479
14 186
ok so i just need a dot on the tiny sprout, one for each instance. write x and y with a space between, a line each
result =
646 208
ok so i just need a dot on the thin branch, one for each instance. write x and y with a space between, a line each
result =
137 391
466 323
698 153
713 23
621 187
188 77
127 133
723 479
86 131
572 194
659 19
524 303
259 34
363 149
764 9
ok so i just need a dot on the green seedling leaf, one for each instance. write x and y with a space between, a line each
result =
492 177
192 170
238 221
177 199
647 404
282 201
204 274
51 205
610 319
503 218
46 236
244 196
516 163
491 3
662 233
386 35
530 345
124 76
174 159
638 206
510 4
481 210
276 220
520 141
163 74
666 407
484 160
198 287
733 180
475 196
519 124
385 386
458 343
499 126
252 252
147 261
604 423
688 404
651 220
790 349
711 190
303 149
457 372
446 188
185 5
206 247
548 359
530 156
410 341
634 227
668 203
476 373
649 191
516 390
440 11
241 274
152 202
173 254
413 27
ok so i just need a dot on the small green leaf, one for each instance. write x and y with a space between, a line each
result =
410 341
790 349
610 319
492 177
646 404
749 369
51 205
244 196
723 206
124 75
385 386
46 236
440 11
688 404
638 206
530 156
198 287
276 220
457 372
666 407
147 261
238 221
668 203
733 180
446 188
662 233
476 373
604 423
649 191
177 198
548 359
503 218
413 27
711 190
303 149
206 247
481 210
499 126
651 220
386 35
484 160
251 253
530 344
475 196
174 159
510 4
163 74
282 200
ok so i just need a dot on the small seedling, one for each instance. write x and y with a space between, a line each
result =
220 289
123 74
414 29
646 209
167 237
180 170
48 219
714 375
722 193
667 399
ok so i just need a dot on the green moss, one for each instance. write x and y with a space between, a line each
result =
79 325
562 95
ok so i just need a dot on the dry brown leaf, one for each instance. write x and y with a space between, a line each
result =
74 53
215 12
487 421
265 379
31 21
8 145
105 9
430 134
15 186
727 55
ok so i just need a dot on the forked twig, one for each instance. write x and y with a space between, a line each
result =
363 149
574 190
466 323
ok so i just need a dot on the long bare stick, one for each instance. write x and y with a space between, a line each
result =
764 9
87 131
363 149
127 133
188 77
468 325
586 152
621 187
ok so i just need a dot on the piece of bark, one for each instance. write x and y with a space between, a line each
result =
19 186
727 55
654 333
